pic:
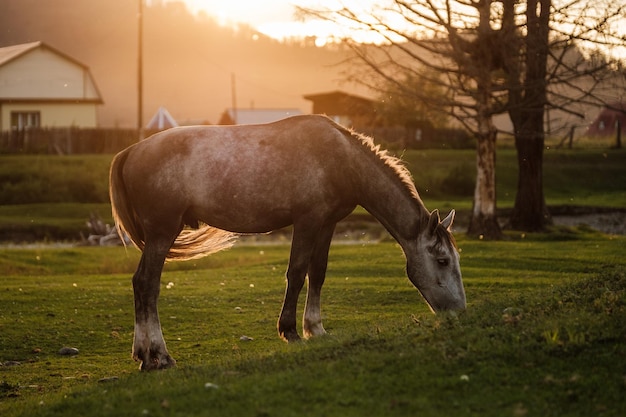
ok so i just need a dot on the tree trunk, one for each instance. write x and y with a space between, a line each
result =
484 222
528 103
530 213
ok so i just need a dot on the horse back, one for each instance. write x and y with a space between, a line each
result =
230 176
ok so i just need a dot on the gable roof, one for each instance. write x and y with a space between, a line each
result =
10 54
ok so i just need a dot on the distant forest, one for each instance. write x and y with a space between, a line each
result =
188 60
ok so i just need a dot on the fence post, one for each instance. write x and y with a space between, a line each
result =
571 137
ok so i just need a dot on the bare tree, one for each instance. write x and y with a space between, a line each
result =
448 46
548 72
527 87
494 56
400 109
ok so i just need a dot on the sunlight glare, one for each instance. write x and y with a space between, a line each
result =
277 18
320 42
252 12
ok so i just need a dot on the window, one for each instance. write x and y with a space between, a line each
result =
21 120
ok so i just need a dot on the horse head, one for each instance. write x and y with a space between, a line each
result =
433 266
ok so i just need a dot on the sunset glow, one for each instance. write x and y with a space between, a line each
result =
244 11
278 18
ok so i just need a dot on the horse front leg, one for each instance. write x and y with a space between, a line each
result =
148 343
312 319
287 319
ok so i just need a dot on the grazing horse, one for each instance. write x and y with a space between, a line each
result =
188 192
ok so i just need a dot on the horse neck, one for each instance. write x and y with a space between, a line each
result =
389 200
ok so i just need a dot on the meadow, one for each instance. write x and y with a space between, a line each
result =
543 334
49 198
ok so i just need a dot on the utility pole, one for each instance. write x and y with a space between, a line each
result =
233 92
140 72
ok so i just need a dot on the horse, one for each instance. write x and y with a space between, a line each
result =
190 191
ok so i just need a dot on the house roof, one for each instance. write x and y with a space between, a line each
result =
11 53
8 53
256 116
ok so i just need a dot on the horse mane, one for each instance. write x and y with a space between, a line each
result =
396 165
444 237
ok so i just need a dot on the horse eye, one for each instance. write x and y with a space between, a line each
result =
443 261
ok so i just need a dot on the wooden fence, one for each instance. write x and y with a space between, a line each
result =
425 138
73 141
67 141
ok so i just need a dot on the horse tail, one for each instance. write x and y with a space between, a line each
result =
190 244
126 222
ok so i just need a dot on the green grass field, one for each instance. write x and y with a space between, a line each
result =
51 197
543 334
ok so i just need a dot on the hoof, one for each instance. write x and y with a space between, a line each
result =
291 336
156 362
313 330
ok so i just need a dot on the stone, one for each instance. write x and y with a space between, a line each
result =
68 351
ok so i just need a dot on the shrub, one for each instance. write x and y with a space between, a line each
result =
35 179
459 181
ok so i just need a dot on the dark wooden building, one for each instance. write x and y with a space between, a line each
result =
349 110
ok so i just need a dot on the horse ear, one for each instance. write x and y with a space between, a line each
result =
447 222
433 221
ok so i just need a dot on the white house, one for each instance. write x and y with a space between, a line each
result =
43 87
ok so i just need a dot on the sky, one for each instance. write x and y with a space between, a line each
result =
278 18
275 18
253 12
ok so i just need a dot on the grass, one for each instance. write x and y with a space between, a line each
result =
586 177
51 197
543 334
32 179
50 221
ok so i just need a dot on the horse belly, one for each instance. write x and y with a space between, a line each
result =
240 217
264 204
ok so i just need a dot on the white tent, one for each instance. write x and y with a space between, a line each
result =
162 119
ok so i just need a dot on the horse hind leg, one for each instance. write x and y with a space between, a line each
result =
312 318
148 343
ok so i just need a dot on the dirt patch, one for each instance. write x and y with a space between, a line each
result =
612 223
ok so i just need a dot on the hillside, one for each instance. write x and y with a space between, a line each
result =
188 60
